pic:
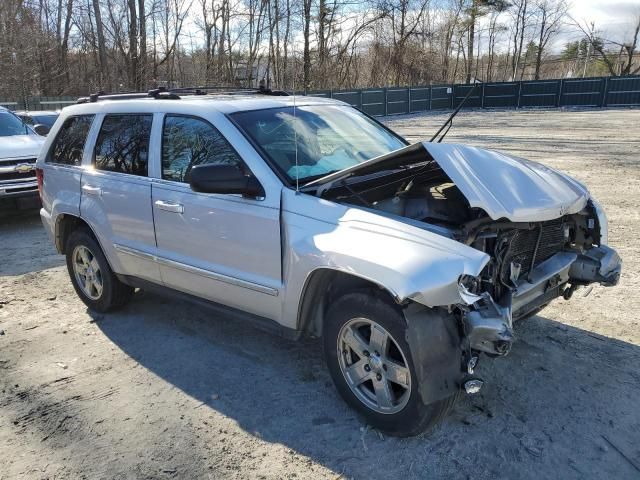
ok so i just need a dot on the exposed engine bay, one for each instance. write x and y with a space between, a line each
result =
531 263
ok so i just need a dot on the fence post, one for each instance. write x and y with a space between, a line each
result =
519 94
331 93
603 103
453 95
386 106
560 93
409 97
482 97
361 98
430 96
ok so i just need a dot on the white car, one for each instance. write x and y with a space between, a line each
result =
310 218
40 120
19 148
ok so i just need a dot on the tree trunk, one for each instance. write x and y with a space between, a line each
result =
307 54
142 73
133 44
103 69
472 34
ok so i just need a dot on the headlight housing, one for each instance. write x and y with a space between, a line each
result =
603 223
467 288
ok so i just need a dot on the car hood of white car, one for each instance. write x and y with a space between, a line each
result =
20 146
504 186
509 187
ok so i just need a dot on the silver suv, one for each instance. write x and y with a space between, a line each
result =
310 218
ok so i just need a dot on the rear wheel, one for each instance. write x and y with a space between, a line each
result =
371 365
92 277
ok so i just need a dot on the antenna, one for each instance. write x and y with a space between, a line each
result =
449 121
295 131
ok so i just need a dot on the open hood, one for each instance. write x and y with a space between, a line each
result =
502 185
509 187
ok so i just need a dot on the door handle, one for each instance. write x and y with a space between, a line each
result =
90 190
169 206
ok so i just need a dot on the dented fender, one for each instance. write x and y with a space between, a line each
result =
410 262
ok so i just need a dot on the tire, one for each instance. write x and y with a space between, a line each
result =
406 414
85 255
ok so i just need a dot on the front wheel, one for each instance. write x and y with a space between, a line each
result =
371 365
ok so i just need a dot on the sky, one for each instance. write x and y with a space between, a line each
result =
614 18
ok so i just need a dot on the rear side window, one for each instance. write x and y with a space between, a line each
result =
190 141
68 146
123 144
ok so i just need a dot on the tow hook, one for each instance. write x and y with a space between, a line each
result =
568 292
472 363
473 386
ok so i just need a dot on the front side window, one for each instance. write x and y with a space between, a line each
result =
315 140
11 125
123 144
188 142
68 146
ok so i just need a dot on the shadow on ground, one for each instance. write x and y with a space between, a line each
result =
25 245
562 397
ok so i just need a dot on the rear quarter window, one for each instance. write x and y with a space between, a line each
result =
68 146
123 144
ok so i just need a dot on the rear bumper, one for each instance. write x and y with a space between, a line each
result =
489 325
47 222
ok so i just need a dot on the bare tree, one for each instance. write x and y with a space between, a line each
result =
621 60
550 15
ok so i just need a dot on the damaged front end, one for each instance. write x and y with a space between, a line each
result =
531 265
543 234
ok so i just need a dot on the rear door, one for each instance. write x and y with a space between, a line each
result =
116 194
225 248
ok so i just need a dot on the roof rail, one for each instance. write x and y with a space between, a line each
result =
158 93
162 93
209 89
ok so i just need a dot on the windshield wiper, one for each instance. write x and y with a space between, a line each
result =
313 178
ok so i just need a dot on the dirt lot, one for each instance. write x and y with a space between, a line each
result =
163 390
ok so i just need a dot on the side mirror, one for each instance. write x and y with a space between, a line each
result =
224 179
41 129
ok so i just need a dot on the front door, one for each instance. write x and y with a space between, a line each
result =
225 248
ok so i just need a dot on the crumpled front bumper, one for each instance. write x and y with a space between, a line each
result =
489 324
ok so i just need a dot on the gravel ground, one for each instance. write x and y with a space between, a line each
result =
163 390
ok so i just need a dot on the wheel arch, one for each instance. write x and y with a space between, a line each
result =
67 223
322 286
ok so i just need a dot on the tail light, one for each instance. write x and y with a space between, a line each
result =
40 178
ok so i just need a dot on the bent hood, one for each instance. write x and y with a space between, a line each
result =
20 146
502 185
509 187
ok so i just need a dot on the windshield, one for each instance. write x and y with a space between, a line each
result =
47 120
11 125
329 137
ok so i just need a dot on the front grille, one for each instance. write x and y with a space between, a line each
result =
522 244
11 176
6 177
16 161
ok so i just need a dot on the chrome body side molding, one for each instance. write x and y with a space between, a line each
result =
198 271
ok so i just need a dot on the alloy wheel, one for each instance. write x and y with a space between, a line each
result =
374 366
87 272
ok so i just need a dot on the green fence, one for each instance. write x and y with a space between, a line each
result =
579 92
574 92
37 103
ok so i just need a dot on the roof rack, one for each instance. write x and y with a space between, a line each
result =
163 93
